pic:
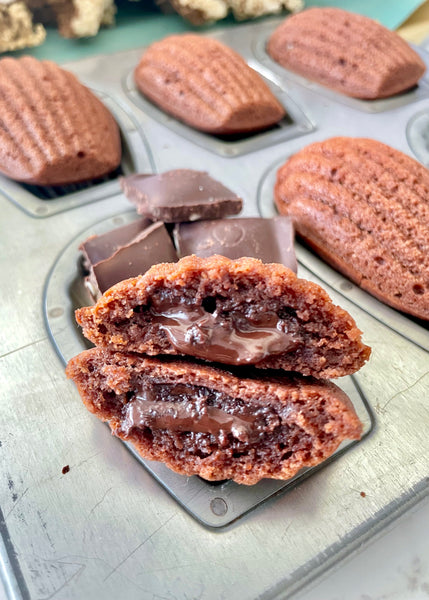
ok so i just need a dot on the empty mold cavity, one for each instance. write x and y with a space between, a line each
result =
418 135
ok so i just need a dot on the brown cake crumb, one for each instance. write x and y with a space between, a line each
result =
211 422
230 311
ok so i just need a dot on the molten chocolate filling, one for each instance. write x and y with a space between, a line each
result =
190 412
233 340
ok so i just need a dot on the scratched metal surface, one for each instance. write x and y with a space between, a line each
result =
107 529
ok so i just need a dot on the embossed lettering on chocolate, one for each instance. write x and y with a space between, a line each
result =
349 53
206 421
363 206
207 85
53 130
270 240
229 311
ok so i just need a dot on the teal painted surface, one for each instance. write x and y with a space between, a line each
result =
134 28
389 12
137 27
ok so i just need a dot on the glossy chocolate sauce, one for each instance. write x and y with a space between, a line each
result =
189 414
235 341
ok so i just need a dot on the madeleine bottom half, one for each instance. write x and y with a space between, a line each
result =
211 422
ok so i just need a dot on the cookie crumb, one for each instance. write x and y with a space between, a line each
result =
65 469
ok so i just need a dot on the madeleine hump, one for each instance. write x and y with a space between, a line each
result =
207 85
363 206
53 130
350 53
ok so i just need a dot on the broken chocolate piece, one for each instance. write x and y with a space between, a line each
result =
151 246
270 240
99 247
206 421
180 195
213 308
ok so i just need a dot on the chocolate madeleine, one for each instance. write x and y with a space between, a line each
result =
364 207
207 85
53 130
229 311
205 421
349 53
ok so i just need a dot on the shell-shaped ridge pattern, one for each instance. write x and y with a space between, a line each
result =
53 130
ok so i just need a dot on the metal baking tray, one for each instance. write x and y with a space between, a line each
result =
106 528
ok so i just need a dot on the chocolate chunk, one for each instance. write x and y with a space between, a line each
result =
180 195
270 240
99 247
152 245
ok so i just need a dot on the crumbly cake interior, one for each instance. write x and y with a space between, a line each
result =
200 422
265 314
